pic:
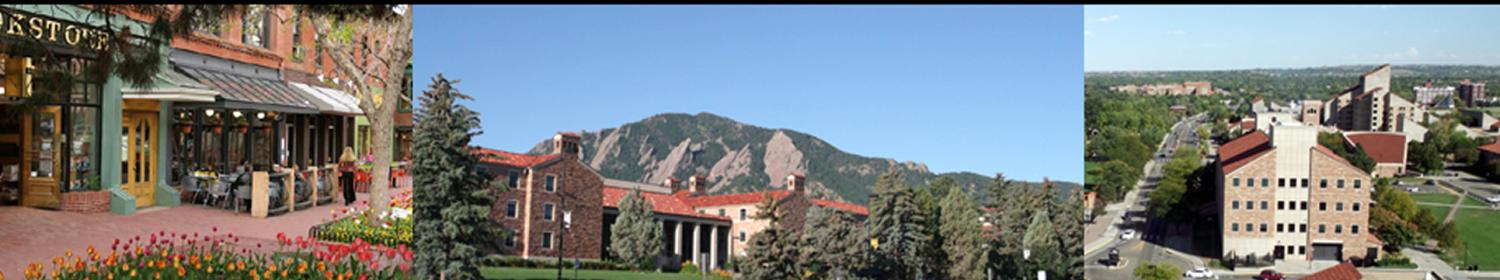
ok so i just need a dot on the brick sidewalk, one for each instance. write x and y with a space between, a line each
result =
36 235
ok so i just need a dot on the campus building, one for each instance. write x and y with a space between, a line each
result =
1387 149
1371 106
696 225
1280 194
1429 95
247 94
1470 92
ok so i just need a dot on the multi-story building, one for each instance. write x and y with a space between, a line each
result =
1427 94
1470 92
1312 112
1370 106
697 226
1280 194
1185 88
1387 149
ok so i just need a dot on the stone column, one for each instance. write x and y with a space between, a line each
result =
713 247
677 239
697 243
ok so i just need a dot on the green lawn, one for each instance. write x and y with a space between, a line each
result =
537 273
1477 228
1469 200
1412 180
1439 212
1440 198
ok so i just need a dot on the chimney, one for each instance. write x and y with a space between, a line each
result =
672 184
566 143
696 185
796 183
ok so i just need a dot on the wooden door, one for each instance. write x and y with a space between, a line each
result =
138 163
42 164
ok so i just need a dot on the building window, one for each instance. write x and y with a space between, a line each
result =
514 178
1263 228
1356 206
721 213
297 50
1322 206
1234 227
546 240
1236 182
1280 227
551 183
1236 205
1249 227
1265 205
256 26
1280 205
742 236
742 214
1356 183
1338 206
1338 229
1322 229
1304 205
1280 182
1302 250
1265 182
1302 228
511 208
1249 205
1323 183
1250 182
1341 183
547 211
1304 183
1354 229
510 241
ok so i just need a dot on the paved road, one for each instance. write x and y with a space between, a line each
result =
1130 214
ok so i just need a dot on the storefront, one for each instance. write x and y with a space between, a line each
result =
58 118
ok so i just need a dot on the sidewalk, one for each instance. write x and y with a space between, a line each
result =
37 235
1427 261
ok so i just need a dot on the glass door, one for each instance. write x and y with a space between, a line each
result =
138 170
43 158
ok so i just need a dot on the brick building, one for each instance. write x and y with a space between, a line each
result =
1388 149
1470 92
1370 106
696 226
1280 194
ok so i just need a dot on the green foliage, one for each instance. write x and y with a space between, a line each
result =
1069 217
896 226
1447 236
1157 271
834 248
774 250
1177 176
689 268
635 238
1394 231
394 232
962 239
452 199
1423 157
1356 155
1116 177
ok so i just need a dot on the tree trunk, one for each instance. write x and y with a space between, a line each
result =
382 127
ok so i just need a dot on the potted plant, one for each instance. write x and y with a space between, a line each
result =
86 197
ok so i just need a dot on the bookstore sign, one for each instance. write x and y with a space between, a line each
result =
29 26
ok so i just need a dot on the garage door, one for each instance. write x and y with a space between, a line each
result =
1328 252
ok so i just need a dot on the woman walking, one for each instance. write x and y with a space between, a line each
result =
346 174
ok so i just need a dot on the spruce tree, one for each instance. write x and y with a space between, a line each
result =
1040 239
962 239
833 249
1009 215
452 200
773 251
896 229
635 237
1069 218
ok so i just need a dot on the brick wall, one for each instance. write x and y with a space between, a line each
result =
1243 242
585 201
1326 167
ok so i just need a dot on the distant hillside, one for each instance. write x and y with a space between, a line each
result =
1300 83
737 157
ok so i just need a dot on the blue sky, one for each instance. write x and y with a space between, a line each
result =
960 88
1240 37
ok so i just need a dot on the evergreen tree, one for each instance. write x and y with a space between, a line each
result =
634 237
1041 240
1009 215
1070 225
452 199
896 229
773 251
831 250
962 239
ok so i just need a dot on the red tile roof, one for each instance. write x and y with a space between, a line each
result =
1383 147
850 207
1247 125
1493 148
732 199
1343 271
1241 150
493 156
661 203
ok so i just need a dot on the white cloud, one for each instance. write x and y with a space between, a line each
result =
1108 18
1179 32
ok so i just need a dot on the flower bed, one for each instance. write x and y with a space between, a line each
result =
395 229
166 255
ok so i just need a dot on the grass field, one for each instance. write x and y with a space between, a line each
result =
1440 198
1477 228
1439 212
1412 180
512 273
1469 200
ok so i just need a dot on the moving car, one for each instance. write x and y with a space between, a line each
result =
1199 272
1128 235
1270 274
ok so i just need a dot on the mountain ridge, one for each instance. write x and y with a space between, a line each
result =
738 157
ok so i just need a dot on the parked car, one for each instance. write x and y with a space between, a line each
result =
1113 259
1412 189
1199 273
1270 274
1128 235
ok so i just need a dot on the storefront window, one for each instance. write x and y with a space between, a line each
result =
184 146
44 137
237 151
82 159
64 130
213 141
256 27
260 144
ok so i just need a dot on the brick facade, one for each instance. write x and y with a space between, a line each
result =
1334 224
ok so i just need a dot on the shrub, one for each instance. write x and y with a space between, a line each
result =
689 268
